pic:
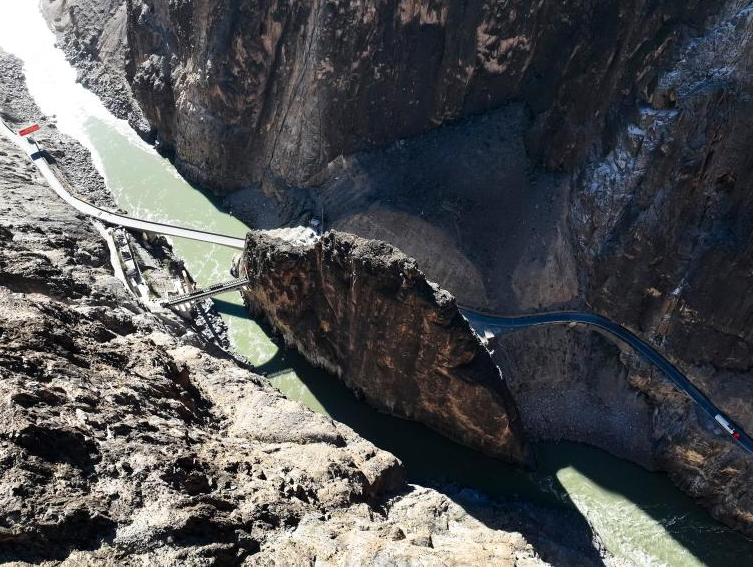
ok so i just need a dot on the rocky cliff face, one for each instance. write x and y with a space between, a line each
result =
645 103
663 222
365 312
126 440
241 90
93 37
118 441
663 229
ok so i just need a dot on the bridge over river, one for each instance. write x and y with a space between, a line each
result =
38 156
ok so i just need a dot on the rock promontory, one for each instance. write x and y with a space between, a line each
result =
364 311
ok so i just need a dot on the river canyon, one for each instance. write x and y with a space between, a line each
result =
508 191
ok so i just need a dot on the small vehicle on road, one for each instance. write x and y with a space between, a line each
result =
728 427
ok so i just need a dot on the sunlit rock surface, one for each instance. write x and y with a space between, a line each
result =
532 157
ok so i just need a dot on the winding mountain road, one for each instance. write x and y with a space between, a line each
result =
482 322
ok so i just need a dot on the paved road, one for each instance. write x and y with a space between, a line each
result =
482 322
35 154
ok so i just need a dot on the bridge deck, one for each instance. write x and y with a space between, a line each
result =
213 289
36 155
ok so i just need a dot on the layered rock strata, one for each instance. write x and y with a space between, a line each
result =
364 311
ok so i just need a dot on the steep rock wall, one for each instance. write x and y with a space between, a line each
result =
365 312
664 222
663 228
571 382
646 107
93 36
244 89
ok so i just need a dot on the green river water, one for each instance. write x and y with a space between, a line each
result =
640 516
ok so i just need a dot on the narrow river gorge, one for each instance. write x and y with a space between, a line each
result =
640 516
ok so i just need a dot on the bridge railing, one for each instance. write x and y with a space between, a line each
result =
208 291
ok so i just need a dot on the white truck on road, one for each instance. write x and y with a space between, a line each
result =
724 422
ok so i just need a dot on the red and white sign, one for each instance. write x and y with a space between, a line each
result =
28 130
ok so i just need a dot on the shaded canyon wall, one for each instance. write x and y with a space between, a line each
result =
571 382
609 171
242 90
127 440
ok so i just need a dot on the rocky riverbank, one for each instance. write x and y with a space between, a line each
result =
611 398
93 37
129 440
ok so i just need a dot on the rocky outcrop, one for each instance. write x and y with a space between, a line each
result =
117 437
613 175
365 312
